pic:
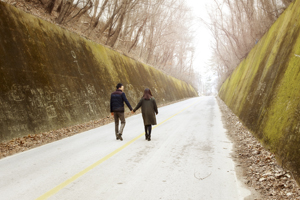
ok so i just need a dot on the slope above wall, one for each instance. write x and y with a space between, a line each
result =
264 89
52 78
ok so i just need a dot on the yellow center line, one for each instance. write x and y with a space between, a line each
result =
76 176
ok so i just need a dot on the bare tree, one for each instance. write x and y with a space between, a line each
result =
157 32
236 26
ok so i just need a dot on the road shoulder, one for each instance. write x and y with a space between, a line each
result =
256 167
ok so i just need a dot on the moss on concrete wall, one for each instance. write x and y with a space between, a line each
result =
52 78
264 90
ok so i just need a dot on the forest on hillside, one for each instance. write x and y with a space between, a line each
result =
156 32
160 33
236 26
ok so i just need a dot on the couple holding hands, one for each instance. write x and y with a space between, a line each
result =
147 103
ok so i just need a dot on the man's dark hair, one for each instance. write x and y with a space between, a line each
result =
119 85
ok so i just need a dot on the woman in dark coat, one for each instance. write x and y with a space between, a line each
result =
149 109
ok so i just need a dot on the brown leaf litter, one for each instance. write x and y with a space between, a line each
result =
30 141
259 168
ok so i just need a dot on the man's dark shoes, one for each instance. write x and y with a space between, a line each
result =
117 138
120 137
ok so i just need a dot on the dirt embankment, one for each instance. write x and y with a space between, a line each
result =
255 165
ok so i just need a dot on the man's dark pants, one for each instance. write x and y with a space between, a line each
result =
119 116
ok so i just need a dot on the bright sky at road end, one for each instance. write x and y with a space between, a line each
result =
203 39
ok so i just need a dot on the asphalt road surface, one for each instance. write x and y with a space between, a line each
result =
188 158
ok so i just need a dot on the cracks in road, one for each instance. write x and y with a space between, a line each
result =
203 177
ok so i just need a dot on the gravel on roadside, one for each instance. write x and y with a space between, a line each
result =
258 167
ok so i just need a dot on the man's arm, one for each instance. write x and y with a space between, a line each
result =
110 105
126 101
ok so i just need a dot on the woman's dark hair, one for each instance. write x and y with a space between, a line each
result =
147 94
119 85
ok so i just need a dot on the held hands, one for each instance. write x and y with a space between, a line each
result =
132 112
112 114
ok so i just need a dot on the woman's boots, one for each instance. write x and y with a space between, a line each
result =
148 136
148 132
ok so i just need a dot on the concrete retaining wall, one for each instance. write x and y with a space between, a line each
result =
52 78
264 90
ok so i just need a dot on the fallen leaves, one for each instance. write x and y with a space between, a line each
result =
34 140
21 144
260 167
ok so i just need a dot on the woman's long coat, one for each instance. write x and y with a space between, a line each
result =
149 109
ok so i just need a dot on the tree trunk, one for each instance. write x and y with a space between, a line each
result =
64 8
110 21
82 11
138 35
113 40
49 7
96 20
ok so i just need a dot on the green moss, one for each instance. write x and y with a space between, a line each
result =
285 105
264 89
52 78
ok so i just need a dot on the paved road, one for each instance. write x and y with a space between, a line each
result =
188 158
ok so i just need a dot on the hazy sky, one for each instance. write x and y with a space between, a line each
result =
203 37
203 42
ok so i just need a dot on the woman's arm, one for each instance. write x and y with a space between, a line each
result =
139 105
155 106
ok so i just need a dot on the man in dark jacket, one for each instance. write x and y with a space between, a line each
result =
117 100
